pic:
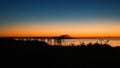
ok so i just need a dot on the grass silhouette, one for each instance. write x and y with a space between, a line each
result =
90 55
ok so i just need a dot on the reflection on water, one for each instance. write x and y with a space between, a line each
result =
67 42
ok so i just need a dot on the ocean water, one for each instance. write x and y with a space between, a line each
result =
66 42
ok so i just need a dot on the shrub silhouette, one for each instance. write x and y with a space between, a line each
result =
71 56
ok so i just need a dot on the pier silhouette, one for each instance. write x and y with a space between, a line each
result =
51 40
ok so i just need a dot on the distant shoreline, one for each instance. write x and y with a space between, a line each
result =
54 36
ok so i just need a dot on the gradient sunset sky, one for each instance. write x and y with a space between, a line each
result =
78 18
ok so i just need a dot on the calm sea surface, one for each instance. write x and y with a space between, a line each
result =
112 41
66 42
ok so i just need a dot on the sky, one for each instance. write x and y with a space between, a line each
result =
78 18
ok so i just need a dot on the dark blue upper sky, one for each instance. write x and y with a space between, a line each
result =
57 10
54 17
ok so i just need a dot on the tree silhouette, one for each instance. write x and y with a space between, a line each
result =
64 37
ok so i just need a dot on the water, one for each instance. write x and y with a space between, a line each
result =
66 42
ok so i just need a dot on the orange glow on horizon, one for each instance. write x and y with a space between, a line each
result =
74 29
72 35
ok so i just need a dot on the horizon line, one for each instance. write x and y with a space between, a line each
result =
70 36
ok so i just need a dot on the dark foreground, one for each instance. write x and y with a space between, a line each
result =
34 53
